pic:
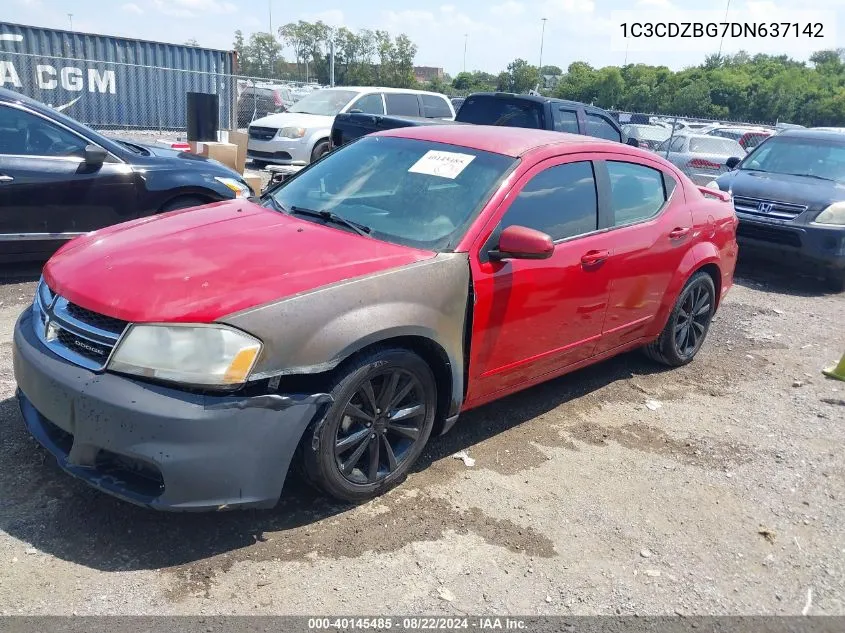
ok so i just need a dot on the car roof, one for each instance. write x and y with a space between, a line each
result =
385 89
541 99
822 134
510 141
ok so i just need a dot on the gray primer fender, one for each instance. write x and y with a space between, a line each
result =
313 332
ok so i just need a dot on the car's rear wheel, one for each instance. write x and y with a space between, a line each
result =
688 323
381 418
183 202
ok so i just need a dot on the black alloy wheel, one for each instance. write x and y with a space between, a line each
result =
381 418
688 323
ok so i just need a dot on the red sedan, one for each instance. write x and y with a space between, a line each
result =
185 361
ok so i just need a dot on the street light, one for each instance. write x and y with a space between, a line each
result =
722 40
70 17
540 69
466 35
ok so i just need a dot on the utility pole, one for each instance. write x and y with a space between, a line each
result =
721 41
466 35
540 69
70 17
270 12
331 63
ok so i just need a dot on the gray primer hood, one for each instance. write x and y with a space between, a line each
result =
313 332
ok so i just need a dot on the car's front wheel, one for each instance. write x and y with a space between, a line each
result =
835 280
688 323
381 418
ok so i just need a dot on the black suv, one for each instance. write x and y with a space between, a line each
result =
789 196
60 179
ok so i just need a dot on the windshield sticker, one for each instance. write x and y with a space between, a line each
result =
442 164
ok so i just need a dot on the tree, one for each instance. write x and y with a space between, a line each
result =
264 53
520 77
192 42
551 70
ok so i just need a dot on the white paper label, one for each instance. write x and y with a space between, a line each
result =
442 164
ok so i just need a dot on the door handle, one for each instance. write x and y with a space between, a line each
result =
678 233
5 178
593 258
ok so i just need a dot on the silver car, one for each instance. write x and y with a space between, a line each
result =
703 158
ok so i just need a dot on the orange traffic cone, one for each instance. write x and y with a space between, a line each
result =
837 371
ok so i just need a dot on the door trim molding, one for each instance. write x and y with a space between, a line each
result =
32 237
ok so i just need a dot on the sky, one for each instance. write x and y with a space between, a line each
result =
494 31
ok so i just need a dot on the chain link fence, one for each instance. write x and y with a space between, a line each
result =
143 101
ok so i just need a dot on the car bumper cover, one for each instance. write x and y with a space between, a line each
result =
156 446
818 246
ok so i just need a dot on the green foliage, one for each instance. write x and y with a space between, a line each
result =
260 57
741 87
520 77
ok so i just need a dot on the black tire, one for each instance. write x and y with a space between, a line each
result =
320 150
357 452
183 202
835 280
688 323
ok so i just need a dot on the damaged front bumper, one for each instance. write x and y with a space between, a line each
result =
156 446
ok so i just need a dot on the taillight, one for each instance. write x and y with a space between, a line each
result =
700 163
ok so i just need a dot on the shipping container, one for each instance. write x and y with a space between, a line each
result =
114 82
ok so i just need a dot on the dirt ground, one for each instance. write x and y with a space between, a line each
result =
727 498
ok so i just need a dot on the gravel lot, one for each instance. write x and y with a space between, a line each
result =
727 498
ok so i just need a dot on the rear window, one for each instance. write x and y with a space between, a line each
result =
488 110
402 104
436 107
716 145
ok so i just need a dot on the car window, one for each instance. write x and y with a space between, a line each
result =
24 134
436 107
600 127
509 112
677 144
402 104
566 121
560 201
369 104
716 145
636 192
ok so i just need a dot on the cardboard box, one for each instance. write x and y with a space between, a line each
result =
253 179
226 153
241 140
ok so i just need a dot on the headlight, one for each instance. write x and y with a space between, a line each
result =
712 185
241 189
292 132
212 355
834 215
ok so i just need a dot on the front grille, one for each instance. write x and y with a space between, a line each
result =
775 235
83 337
277 155
262 133
761 208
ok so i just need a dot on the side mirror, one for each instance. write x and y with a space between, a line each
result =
732 162
520 242
633 142
95 155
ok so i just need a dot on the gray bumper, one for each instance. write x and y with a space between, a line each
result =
155 446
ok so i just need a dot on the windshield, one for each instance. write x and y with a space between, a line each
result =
324 102
799 156
647 132
487 110
411 192
716 145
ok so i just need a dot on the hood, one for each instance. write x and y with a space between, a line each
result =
816 194
161 156
294 119
199 265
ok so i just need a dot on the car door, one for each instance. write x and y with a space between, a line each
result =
532 318
47 190
650 230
